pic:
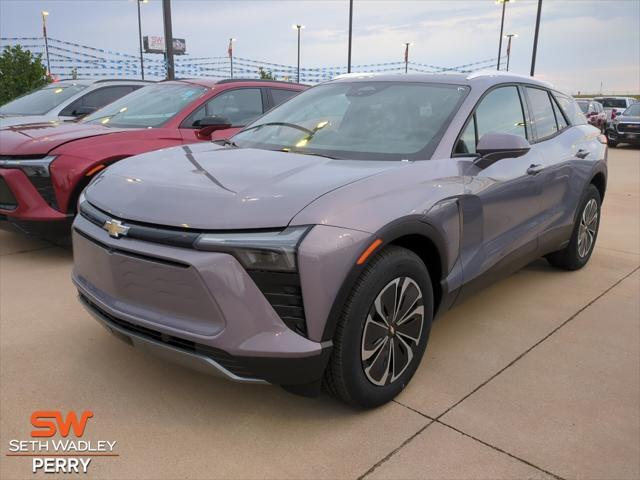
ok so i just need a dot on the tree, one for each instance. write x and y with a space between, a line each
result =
266 75
20 72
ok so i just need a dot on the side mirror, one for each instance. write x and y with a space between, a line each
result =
208 125
497 146
83 110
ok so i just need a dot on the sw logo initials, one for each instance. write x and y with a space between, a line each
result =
47 423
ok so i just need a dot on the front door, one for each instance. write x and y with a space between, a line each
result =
505 197
240 106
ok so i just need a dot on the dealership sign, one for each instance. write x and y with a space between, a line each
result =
155 44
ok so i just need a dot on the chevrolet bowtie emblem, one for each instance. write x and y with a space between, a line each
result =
115 228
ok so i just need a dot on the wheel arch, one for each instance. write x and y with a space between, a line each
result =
600 182
86 178
414 234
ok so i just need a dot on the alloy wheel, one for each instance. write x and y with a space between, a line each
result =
588 226
392 331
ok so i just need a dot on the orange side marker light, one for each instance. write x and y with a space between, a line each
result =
369 251
95 169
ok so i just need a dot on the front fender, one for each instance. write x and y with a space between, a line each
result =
331 277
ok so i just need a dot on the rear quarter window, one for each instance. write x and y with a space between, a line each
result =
280 95
571 109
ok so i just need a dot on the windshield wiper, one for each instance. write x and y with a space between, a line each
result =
226 142
304 152
93 120
280 124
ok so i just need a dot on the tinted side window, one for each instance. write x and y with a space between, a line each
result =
194 119
542 116
571 109
239 106
99 98
501 112
280 96
467 141
562 122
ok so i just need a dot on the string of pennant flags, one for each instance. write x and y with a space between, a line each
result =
68 59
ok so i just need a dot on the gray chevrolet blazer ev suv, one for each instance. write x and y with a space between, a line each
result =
317 247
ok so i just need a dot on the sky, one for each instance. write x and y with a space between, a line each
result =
582 44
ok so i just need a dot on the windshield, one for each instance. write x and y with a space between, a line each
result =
632 111
147 107
359 120
584 106
613 102
41 101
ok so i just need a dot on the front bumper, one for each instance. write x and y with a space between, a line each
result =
632 137
200 309
23 208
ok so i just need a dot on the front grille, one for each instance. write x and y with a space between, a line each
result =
45 189
629 127
233 364
7 200
23 157
283 292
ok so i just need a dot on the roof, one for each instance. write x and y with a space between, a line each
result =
211 82
484 77
614 97
93 81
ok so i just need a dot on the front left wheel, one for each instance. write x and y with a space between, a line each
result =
383 330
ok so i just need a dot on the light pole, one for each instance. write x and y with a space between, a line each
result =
230 52
509 36
298 27
504 4
140 36
45 14
406 56
535 39
350 35
168 38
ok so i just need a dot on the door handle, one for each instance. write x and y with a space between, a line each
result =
535 169
582 153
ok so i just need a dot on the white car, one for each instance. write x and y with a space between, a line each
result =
614 106
65 100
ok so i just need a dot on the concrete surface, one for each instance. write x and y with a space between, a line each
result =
538 376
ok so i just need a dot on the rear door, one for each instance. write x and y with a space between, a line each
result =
567 149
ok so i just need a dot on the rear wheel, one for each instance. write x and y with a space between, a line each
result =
383 330
585 231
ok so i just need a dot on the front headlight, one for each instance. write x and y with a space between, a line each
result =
36 167
266 250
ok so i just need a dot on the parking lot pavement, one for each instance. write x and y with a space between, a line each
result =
538 376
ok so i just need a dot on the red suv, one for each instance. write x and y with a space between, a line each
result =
44 167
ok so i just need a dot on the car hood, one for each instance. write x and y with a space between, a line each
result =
13 120
41 138
208 187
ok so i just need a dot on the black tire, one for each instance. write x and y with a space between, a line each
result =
612 143
575 255
345 377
